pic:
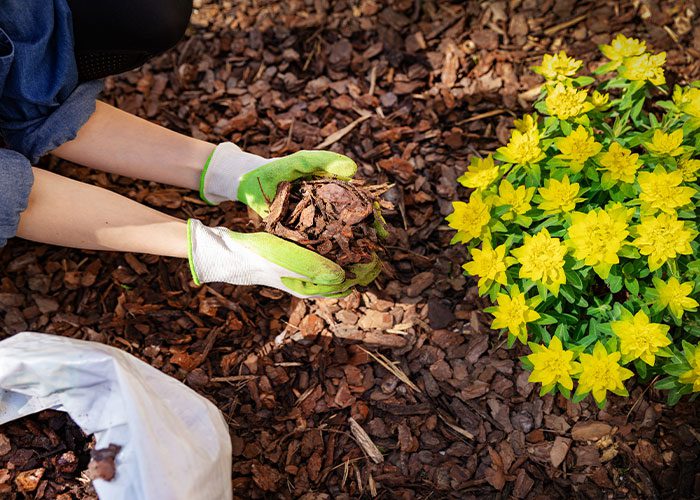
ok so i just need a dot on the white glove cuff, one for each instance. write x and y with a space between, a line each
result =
210 255
222 173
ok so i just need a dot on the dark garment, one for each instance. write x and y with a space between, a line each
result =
113 36
50 59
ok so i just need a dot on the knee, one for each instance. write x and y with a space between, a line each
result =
170 23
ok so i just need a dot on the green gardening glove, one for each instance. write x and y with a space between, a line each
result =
232 174
220 255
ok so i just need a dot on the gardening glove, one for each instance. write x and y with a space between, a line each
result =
232 174
221 255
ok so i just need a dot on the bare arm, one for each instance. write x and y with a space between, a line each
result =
73 214
121 143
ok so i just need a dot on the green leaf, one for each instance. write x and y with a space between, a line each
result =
579 397
541 290
637 109
499 211
574 279
547 389
666 383
675 369
568 294
566 127
641 368
605 68
632 285
546 319
511 340
582 81
541 107
614 282
562 332
526 363
674 396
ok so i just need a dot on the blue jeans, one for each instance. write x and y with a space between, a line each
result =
42 105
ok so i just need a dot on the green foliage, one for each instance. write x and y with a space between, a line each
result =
583 228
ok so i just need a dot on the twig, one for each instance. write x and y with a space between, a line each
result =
372 79
640 397
389 365
263 192
695 433
566 24
339 134
234 378
444 26
481 116
365 442
459 430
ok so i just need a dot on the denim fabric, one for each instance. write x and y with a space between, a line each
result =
15 183
41 103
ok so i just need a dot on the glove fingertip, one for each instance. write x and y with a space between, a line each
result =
330 276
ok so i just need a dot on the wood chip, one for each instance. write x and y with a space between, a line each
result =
365 442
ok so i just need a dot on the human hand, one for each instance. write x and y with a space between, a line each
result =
232 174
220 255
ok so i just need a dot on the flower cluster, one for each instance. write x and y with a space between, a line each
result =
583 229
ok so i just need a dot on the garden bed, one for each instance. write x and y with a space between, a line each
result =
411 95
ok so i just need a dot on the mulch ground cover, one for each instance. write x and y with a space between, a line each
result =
399 391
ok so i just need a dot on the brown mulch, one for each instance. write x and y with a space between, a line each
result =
45 456
334 218
398 392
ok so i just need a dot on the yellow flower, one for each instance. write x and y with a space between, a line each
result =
646 67
692 376
688 100
489 264
666 144
663 238
526 124
639 338
689 168
596 237
661 190
552 364
480 174
558 66
559 196
469 219
565 102
523 148
619 163
601 372
577 147
622 47
542 259
676 296
518 199
514 312
600 101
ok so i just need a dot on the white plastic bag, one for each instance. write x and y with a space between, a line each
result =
175 443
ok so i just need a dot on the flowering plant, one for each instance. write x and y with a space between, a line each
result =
583 229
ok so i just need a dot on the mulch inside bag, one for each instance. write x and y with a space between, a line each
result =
47 456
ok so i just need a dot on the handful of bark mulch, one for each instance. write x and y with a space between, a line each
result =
47 456
340 220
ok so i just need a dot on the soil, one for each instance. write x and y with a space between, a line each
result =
399 391
331 217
